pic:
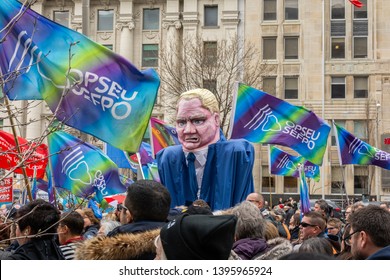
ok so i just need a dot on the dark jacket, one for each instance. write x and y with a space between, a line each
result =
38 249
294 233
136 227
382 254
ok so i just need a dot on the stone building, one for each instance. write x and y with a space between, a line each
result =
326 55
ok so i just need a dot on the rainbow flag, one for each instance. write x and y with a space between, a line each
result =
82 168
352 150
303 193
262 118
86 85
162 135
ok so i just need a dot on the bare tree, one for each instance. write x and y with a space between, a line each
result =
194 63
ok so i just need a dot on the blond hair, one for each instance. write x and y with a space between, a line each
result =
206 97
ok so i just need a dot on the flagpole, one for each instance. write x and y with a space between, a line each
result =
140 165
323 91
345 189
11 119
269 177
340 161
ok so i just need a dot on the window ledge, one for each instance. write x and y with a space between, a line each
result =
211 27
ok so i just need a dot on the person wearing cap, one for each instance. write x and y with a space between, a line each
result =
205 166
196 237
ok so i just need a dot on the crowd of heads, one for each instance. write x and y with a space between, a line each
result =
148 224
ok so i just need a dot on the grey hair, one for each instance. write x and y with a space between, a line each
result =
250 222
109 225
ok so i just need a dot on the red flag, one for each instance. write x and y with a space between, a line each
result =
356 3
33 155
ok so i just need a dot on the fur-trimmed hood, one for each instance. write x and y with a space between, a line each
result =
126 246
279 247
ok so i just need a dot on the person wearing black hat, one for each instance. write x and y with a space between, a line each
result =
197 237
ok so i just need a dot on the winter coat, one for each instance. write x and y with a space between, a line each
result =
38 249
277 247
136 227
247 248
138 246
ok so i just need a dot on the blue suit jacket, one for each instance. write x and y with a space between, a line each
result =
227 178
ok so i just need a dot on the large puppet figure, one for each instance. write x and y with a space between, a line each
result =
205 166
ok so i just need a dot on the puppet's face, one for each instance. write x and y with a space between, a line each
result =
196 126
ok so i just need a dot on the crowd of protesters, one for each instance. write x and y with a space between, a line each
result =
144 227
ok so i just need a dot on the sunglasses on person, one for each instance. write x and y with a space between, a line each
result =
303 224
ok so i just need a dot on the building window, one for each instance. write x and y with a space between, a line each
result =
269 85
269 48
290 184
360 179
109 46
211 85
360 12
360 31
290 9
150 55
338 47
291 47
291 87
269 10
105 20
333 139
267 182
337 28
338 9
338 87
360 130
360 87
209 53
337 185
61 17
360 47
151 19
211 16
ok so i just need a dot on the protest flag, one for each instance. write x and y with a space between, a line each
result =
353 150
284 164
262 118
86 85
82 168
